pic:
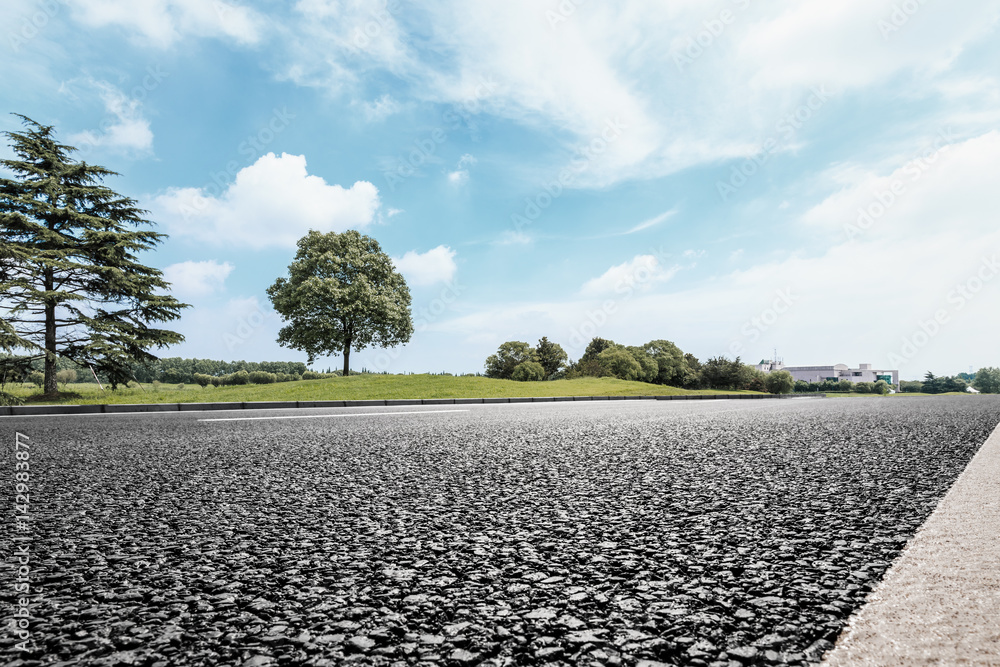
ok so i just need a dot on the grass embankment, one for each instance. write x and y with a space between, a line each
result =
356 387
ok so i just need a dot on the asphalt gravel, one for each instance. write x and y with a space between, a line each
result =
630 533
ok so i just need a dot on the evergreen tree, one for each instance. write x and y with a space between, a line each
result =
70 280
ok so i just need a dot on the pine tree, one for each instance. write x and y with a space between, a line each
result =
71 284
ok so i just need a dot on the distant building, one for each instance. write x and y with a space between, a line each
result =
837 372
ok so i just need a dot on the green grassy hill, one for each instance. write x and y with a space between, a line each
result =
358 387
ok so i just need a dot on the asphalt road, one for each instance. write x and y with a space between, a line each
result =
620 533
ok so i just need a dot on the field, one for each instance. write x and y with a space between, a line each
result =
359 387
612 534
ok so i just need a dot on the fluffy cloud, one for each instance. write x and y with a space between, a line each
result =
641 272
437 265
164 22
647 88
906 292
272 203
197 278
124 129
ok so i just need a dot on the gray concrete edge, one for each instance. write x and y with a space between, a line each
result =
117 408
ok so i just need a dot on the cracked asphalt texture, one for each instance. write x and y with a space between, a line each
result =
723 533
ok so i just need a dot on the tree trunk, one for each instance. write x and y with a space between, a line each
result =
50 340
347 358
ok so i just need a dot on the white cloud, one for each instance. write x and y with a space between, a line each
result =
571 73
461 174
914 287
434 266
641 272
272 203
381 108
128 132
164 22
652 222
197 278
511 237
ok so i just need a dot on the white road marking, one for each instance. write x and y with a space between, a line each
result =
353 414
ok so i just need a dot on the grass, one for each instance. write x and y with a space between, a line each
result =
356 387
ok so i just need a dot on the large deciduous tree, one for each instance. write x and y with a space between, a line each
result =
342 292
71 284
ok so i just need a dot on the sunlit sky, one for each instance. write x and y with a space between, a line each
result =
818 178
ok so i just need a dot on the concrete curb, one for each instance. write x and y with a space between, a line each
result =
939 602
117 408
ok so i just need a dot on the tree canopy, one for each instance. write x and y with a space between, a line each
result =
342 293
71 283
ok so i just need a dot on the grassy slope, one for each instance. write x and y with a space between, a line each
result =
362 387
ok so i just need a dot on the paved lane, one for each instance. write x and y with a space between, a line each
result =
703 533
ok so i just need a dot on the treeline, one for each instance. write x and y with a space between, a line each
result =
827 386
177 370
657 362
985 380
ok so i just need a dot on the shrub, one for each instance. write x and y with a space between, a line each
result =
650 368
156 385
64 377
846 385
509 356
756 380
262 377
621 363
202 380
312 375
528 371
779 382
37 378
881 387
911 386
589 368
216 381
239 377
864 387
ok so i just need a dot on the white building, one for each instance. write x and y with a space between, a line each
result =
863 373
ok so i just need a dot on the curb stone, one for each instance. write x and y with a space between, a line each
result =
118 408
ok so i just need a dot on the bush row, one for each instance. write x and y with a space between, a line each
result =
658 362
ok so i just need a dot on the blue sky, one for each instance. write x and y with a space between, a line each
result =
733 176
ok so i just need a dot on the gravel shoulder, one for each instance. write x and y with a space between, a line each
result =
940 602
